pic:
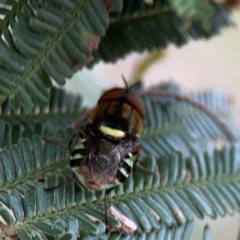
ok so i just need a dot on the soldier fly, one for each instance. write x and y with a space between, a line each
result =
107 151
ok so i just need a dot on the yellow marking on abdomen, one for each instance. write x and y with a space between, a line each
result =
112 132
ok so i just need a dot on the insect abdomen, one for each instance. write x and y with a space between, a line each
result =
125 168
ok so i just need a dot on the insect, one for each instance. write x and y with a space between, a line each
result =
110 142
109 147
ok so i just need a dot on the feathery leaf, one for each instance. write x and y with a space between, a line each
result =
173 199
44 40
195 178
61 110
141 26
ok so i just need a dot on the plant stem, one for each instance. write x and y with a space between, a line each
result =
230 135
81 119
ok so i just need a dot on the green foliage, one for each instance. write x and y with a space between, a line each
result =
141 27
175 125
47 40
207 233
195 177
43 40
193 9
61 110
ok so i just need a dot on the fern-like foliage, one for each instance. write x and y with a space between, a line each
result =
141 27
205 184
196 178
193 9
174 125
43 40
60 111
207 233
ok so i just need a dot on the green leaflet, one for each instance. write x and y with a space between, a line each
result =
44 40
47 40
194 9
173 125
174 200
141 26
191 176
207 233
61 110
170 125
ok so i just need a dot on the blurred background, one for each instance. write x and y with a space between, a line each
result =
199 65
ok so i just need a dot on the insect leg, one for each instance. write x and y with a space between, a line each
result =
105 205
81 119
55 141
80 134
140 166
136 153
59 185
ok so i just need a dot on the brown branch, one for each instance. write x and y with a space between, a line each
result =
230 135
74 125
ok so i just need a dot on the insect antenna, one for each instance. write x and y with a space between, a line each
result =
125 82
127 88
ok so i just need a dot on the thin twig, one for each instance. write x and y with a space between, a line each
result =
74 125
230 135
55 141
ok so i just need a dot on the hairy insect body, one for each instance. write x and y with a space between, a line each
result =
106 170
110 144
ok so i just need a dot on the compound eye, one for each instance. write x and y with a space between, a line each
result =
135 101
131 98
112 94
